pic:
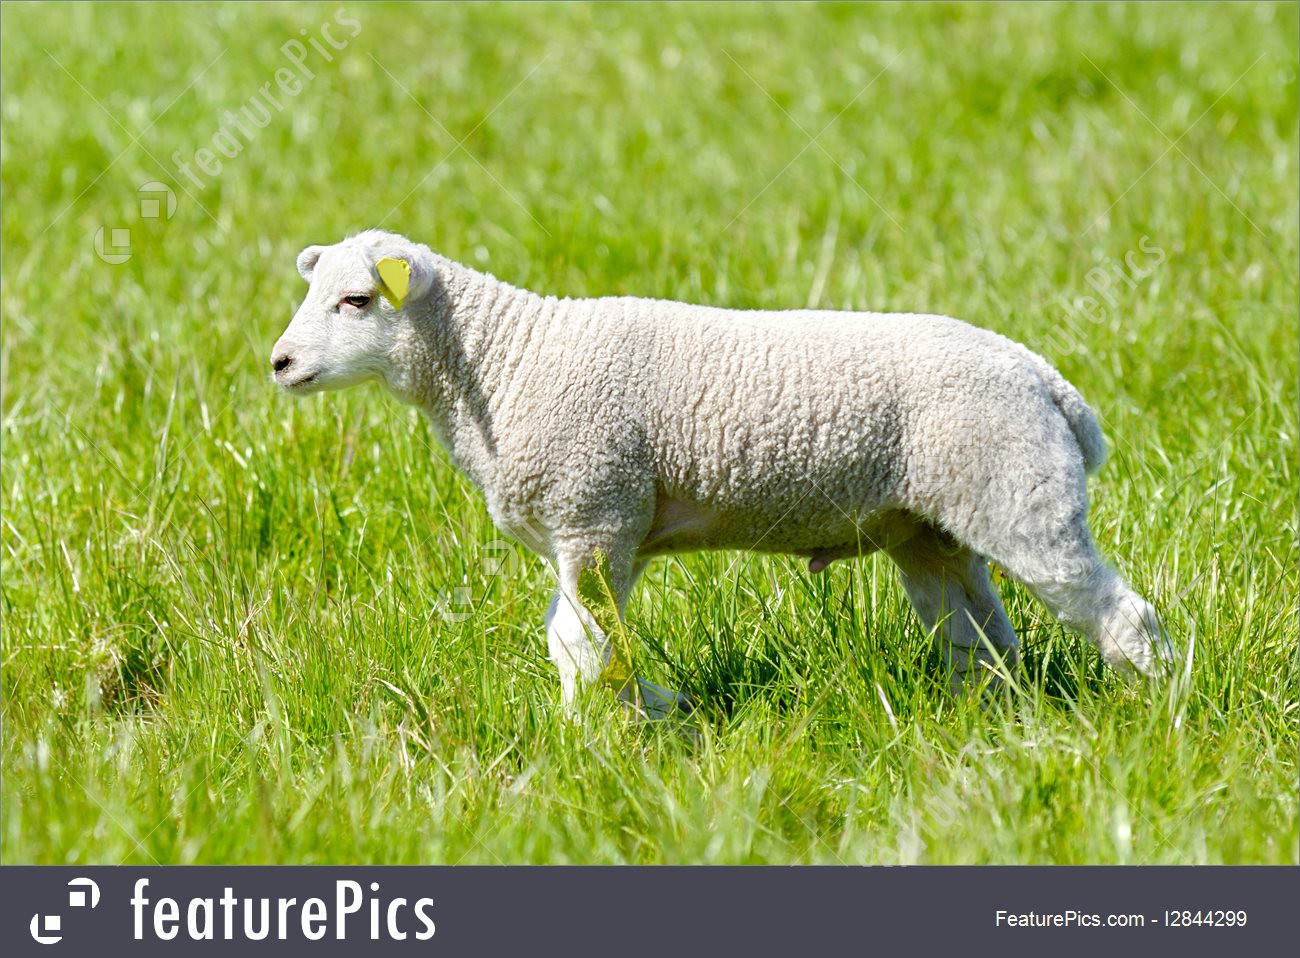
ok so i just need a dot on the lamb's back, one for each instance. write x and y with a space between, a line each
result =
736 403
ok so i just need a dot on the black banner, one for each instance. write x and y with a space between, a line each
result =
647 911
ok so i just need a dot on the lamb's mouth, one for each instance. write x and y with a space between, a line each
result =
299 384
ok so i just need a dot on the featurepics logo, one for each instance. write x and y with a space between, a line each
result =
48 929
230 918
239 128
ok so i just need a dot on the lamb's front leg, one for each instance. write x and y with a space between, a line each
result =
578 650
581 650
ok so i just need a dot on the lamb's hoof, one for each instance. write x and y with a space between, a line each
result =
978 673
674 709
1162 662
1154 662
657 702
1132 640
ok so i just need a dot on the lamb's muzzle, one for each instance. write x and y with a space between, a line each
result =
639 427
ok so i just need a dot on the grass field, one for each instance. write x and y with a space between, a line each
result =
243 628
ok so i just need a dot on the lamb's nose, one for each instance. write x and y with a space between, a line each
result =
281 362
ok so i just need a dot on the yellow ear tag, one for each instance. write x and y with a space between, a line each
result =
394 277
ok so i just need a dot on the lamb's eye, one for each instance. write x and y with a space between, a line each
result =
360 302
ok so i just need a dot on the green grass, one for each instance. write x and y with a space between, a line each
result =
231 631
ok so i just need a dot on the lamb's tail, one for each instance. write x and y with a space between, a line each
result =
1082 420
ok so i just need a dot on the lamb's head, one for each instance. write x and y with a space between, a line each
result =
359 308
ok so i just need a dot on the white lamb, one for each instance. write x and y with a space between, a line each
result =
642 427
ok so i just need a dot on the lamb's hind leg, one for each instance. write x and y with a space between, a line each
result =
1088 595
952 593
1117 620
1043 540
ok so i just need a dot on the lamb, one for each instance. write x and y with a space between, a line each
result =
630 428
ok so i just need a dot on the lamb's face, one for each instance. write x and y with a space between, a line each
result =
343 331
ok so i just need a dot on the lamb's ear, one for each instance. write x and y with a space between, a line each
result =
420 259
307 261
